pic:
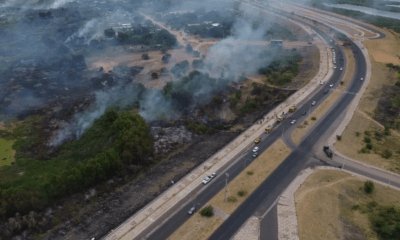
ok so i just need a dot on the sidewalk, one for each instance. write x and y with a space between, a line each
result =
156 209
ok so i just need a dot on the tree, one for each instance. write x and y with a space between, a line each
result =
189 48
154 75
207 211
163 49
109 32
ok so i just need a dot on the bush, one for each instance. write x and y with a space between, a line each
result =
367 133
368 187
305 123
145 56
387 130
313 118
357 134
355 207
386 153
166 58
154 75
367 140
232 199
369 146
364 150
207 211
109 32
338 137
250 173
242 193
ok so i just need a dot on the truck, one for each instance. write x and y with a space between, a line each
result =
292 109
268 129
328 152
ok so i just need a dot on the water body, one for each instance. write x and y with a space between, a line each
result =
366 10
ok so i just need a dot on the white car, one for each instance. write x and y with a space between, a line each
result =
293 122
255 154
321 83
191 210
313 103
334 67
341 69
331 85
206 180
212 175
255 149
362 79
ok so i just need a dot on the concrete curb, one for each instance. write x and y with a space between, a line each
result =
250 230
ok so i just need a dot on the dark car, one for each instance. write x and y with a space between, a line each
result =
327 151
326 91
304 113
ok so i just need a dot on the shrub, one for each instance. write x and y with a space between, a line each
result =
250 173
387 130
355 207
154 75
341 83
364 150
232 199
367 133
305 123
357 134
386 153
378 136
145 56
368 187
369 146
338 137
242 193
207 211
313 118
367 140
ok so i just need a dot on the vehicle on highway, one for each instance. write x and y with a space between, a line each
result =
268 129
334 67
293 121
331 85
362 79
327 151
341 69
255 154
191 210
212 175
321 83
313 103
255 149
206 180
304 113
326 91
257 140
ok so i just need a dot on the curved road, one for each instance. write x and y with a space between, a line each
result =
264 196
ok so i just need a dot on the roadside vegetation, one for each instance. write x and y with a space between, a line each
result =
115 141
332 204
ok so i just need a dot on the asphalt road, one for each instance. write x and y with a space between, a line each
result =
282 176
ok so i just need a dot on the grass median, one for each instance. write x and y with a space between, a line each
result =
333 205
249 179
302 129
200 228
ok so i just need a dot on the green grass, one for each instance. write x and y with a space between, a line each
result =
5 152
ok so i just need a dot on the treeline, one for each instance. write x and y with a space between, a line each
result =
146 36
115 141
283 68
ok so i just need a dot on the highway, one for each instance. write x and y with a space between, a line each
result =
274 185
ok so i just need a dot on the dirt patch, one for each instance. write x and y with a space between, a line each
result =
299 132
249 179
197 228
324 205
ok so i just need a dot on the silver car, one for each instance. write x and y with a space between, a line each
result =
313 103
191 210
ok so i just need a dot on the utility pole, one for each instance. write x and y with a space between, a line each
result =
226 185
